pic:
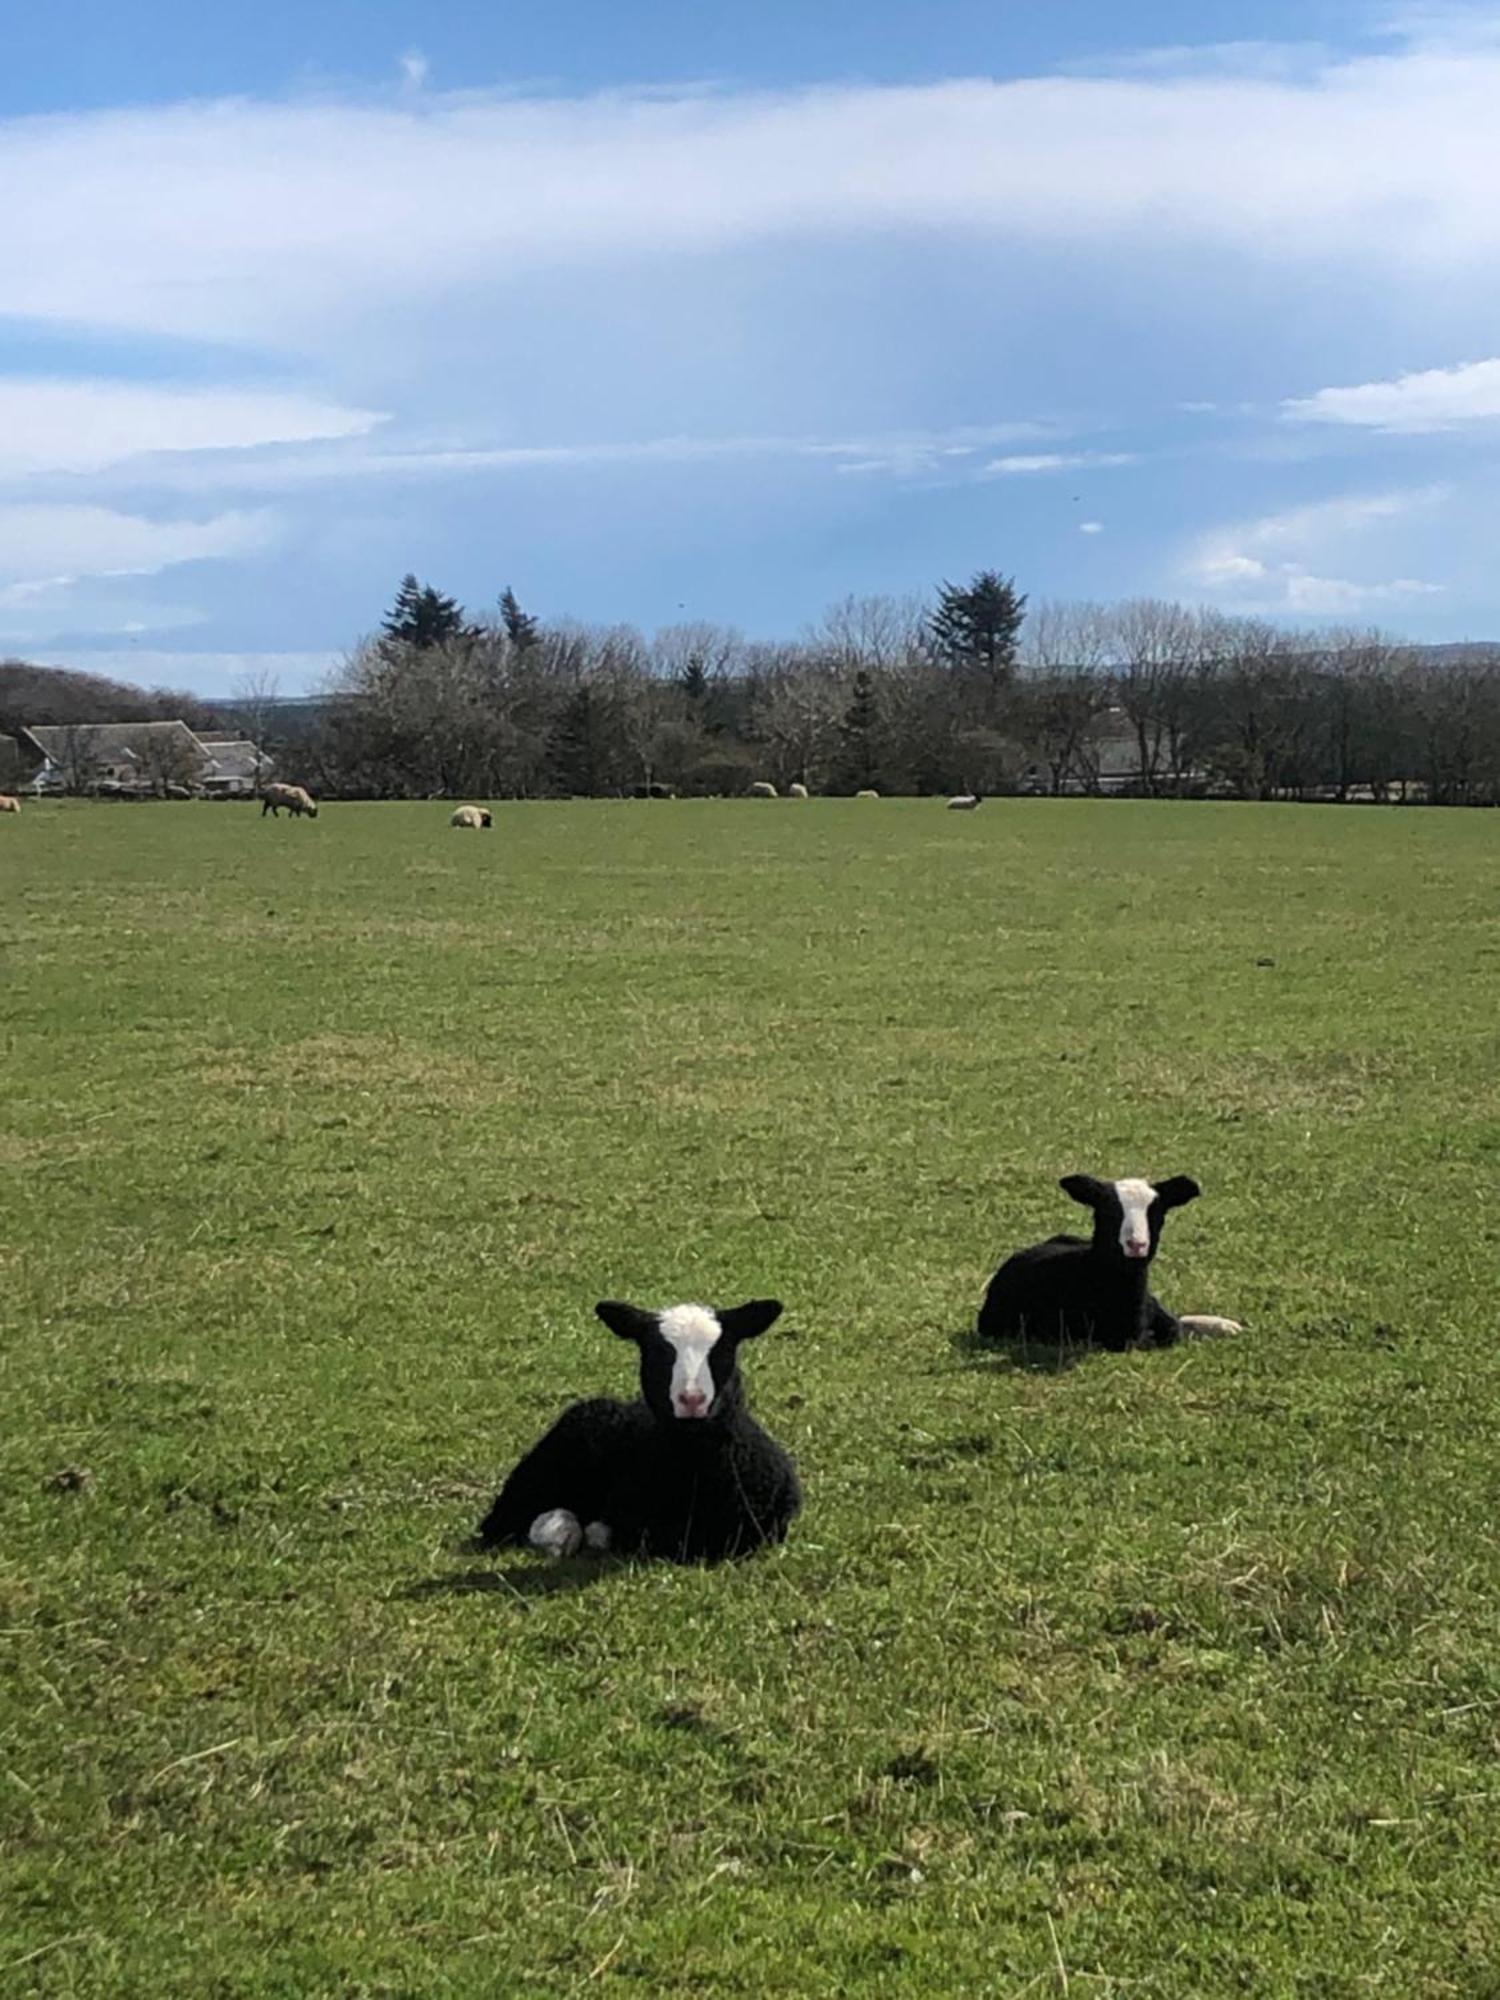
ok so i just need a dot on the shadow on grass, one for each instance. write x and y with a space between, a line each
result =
518 1579
1034 1357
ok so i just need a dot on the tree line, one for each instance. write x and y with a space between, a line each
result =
971 691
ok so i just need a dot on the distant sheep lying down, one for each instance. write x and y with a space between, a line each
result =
685 1472
293 797
964 803
8 804
867 794
472 816
1094 1294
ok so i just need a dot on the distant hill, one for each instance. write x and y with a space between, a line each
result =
228 704
59 696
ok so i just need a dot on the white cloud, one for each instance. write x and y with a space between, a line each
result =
1328 596
1435 399
1091 527
900 453
51 425
415 68
45 548
1278 562
243 219
1443 24
1059 461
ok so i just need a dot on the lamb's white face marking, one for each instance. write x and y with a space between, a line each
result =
556 1533
692 1331
1135 1230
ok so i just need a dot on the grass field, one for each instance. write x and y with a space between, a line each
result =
1169 1674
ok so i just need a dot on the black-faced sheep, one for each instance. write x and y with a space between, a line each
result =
1094 1293
685 1472
293 797
475 816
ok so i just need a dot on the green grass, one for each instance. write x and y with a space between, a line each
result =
1174 1674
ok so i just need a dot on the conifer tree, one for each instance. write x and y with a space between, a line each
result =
520 626
976 631
858 748
422 616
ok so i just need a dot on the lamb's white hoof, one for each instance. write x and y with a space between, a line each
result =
556 1533
596 1535
1207 1325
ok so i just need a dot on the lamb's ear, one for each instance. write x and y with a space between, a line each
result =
1176 1192
629 1322
1083 1187
746 1321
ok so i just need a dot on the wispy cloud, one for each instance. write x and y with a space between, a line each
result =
1058 461
1435 399
278 220
47 549
1279 562
53 425
954 453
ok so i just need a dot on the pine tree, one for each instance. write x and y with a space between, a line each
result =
857 761
694 681
976 629
422 616
581 741
520 626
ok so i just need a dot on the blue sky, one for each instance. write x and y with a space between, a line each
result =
668 311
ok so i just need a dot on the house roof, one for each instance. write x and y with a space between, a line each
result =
107 742
234 757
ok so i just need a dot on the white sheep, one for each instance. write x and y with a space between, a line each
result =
797 792
296 800
762 790
472 816
964 803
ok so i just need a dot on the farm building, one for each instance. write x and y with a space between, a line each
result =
236 769
143 760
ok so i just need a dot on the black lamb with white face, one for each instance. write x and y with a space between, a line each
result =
1093 1293
684 1472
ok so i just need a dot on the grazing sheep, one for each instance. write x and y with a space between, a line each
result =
685 1472
964 803
867 795
761 790
8 804
472 816
797 792
293 797
1094 1293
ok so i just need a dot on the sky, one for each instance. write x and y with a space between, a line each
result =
662 312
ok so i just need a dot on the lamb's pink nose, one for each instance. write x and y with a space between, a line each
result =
692 1403
1137 1247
